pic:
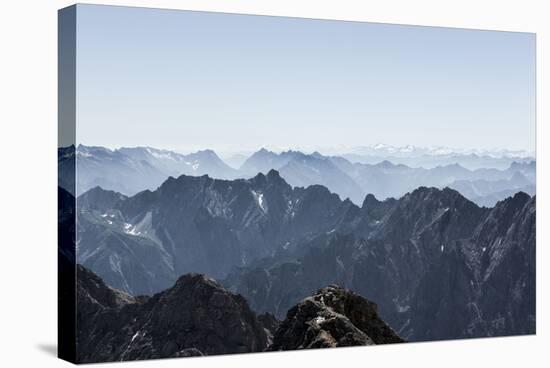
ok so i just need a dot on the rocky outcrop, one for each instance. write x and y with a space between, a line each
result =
333 317
194 317
199 317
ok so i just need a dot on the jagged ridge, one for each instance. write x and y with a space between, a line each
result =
197 316
332 317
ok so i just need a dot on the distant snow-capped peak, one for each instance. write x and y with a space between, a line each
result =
381 149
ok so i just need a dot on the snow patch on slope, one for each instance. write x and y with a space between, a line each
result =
259 197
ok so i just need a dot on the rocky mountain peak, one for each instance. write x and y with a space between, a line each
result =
184 182
194 279
502 216
96 291
207 154
519 198
385 164
273 175
196 316
263 151
429 199
333 317
272 178
100 199
370 200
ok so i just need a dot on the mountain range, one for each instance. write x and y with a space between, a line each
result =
386 179
132 170
414 156
438 265
140 244
409 150
430 157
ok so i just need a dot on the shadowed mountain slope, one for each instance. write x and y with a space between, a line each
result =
197 316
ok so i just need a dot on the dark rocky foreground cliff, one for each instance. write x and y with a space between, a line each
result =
332 317
197 316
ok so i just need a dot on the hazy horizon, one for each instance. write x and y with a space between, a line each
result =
183 80
335 150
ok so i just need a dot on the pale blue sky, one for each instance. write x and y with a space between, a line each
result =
187 80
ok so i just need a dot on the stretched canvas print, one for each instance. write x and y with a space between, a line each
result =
237 183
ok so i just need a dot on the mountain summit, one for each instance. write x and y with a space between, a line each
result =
333 317
196 316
